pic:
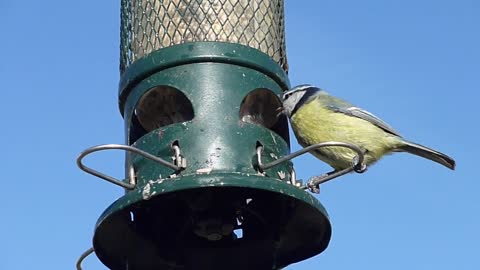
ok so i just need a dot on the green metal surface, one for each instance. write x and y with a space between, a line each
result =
184 219
216 138
297 216
234 152
200 52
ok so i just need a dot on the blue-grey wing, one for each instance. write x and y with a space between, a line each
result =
341 106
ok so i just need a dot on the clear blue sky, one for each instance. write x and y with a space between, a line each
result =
414 63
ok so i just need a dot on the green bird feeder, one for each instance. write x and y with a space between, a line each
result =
199 90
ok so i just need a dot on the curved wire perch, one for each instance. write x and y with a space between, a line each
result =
132 149
83 256
314 182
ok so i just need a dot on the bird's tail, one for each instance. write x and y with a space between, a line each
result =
425 152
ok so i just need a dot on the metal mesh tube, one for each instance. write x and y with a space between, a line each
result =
149 25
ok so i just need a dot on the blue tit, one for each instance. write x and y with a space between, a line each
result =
318 117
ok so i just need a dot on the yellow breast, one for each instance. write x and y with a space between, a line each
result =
314 124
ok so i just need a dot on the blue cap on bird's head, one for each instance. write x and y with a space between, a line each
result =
296 89
297 96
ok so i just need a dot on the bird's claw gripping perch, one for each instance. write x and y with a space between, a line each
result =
315 188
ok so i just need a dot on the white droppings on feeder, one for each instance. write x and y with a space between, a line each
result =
204 171
261 173
159 181
281 174
146 191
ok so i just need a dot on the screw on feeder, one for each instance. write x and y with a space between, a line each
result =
293 178
178 159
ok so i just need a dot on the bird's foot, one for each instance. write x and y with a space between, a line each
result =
312 183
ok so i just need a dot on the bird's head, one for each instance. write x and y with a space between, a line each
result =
291 98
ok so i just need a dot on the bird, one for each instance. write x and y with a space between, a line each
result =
317 117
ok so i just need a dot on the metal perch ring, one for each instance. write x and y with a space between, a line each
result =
313 183
131 184
83 256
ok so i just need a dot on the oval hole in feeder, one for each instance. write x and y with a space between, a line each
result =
260 107
158 107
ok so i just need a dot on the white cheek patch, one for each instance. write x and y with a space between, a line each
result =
288 105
